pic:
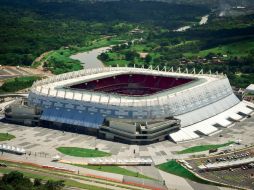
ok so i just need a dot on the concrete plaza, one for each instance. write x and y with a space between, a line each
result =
42 144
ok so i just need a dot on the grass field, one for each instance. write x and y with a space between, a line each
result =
16 84
82 152
47 176
116 170
6 136
203 148
44 174
175 168
237 49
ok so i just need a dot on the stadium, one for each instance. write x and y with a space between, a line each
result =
136 105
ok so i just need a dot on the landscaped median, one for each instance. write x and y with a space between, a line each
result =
87 181
6 137
175 168
204 148
82 152
116 170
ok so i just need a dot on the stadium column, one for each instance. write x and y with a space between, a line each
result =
201 72
132 102
41 89
91 96
193 71
73 94
108 100
100 99
82 97
64 94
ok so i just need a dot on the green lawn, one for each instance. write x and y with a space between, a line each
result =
116 170
16 84
203 148
175 168
82 152
6 136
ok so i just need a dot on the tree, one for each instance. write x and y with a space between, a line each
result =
37 182
17 181
104 57
130 55
148 58
54 185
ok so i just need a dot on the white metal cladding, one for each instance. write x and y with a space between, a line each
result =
182 102
209 125
206 112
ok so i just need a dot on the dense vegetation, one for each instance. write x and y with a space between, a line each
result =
16 84
59 61
24 34
133 11
227 48
31 27
17 181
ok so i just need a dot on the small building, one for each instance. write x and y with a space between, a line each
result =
143 55
137 31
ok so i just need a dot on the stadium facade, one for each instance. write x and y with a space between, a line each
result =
137 105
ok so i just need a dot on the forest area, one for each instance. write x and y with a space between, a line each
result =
30 28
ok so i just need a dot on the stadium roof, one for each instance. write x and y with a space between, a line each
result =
55 86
